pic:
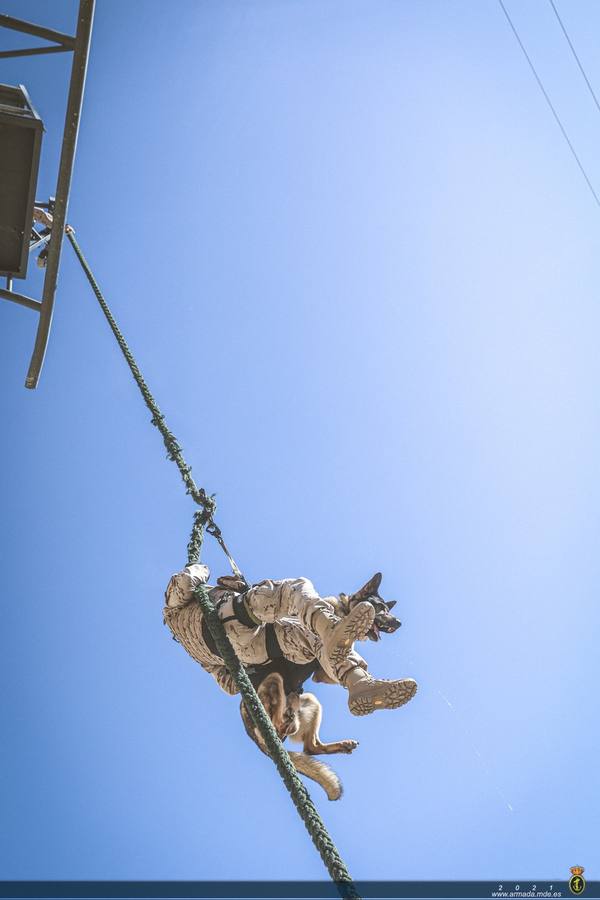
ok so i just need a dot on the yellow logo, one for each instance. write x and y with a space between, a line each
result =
576 881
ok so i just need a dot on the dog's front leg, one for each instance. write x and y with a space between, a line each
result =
334 747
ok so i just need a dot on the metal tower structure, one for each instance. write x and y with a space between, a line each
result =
14 153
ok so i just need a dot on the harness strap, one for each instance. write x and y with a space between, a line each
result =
274 651
242 613
209 639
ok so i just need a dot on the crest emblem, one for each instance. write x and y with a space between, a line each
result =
577 881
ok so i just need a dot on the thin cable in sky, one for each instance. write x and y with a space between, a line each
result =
550 104
574 52
478 753
469 738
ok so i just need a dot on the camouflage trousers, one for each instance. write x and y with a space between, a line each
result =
290 605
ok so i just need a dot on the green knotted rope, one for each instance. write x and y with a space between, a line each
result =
300 796
203 519
174 451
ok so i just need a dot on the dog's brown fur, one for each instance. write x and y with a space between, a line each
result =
298 716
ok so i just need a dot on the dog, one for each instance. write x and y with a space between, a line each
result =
296 714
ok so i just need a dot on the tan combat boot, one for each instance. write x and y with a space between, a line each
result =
366 694
338 635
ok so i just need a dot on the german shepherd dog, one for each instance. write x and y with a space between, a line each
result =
296 714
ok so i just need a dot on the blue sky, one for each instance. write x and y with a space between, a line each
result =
358 267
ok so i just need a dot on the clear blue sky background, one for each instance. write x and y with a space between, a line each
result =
359 269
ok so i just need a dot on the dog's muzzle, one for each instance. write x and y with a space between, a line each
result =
384 622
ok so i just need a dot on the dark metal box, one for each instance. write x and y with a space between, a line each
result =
20 143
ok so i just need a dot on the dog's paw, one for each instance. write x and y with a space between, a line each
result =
348 746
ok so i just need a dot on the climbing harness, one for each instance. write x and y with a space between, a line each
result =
241 613
204 521
294 674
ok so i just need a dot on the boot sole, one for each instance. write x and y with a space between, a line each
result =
396 694
355 630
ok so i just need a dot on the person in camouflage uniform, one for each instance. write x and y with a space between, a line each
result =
285 619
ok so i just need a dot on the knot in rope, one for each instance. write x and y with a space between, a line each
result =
206 501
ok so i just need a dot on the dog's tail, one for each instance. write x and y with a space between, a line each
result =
319 772
305 764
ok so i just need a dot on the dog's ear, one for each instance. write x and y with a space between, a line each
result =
376 582
369 589
390 604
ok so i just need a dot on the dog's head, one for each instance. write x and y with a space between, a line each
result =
384 621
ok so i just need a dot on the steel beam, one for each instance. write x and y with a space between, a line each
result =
42 239
34 51
67 157
21 299
38 30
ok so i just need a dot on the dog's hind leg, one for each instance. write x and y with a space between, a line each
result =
310 717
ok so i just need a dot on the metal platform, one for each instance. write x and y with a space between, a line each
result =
79 45
20 143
